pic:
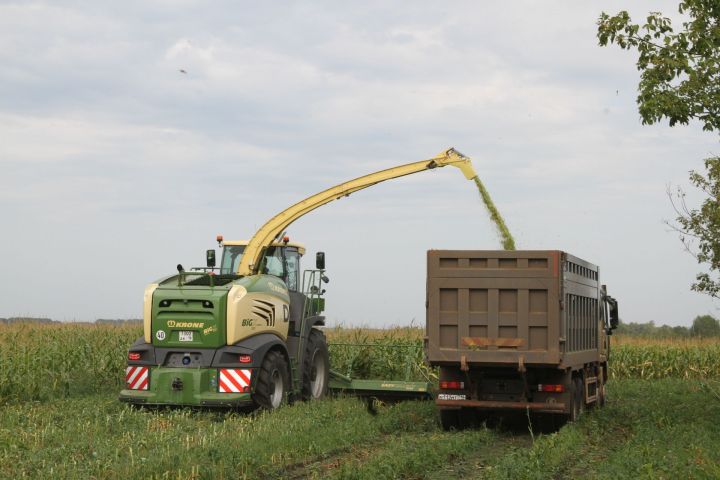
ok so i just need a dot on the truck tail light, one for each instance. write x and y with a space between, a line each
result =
551 388
134 355
452 385
245 359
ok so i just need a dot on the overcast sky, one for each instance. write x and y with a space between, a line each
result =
115 165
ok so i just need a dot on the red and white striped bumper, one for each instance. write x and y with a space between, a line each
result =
234 380
137 378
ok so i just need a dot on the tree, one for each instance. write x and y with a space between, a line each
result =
680 81
699 228
680 72
705 326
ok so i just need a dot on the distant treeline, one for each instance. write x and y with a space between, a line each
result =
702 326
106 321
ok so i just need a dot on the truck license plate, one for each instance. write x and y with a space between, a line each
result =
186 336
450 396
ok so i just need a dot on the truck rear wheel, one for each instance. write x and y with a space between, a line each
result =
450 419
601 387
577 399
601 393
272 384
316 367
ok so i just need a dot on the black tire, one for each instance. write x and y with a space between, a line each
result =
602 378
575 400
600 393
316 367
468 418
450 419
271 389
581 394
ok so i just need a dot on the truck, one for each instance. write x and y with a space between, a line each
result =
247 333
524 330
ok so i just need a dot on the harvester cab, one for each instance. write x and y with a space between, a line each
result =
245 333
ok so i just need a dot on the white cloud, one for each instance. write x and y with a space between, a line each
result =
103 141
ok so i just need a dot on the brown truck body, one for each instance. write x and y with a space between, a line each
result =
502 324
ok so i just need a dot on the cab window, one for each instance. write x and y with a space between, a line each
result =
272 263
288 268
292 258
231 259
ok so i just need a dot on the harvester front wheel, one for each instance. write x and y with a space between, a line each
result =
316 367
273 380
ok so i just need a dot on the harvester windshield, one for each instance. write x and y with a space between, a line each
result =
280 261
231 256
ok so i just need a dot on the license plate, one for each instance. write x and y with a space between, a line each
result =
186 336
450 396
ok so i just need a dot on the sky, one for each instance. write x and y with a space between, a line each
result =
132 133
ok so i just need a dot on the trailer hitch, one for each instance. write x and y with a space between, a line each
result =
177 384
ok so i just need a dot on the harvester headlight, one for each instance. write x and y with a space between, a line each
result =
236 293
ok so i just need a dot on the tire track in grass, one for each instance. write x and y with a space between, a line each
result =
410 445
477 463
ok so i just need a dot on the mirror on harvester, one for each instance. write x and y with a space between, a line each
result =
210 257
320 260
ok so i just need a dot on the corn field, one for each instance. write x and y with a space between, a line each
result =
39 362
395 354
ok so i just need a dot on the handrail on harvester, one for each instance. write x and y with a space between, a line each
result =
250 262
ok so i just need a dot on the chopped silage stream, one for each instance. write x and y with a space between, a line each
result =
508 242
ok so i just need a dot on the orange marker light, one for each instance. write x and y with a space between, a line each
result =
286 239
219 238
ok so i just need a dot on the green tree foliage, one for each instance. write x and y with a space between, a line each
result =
699 228
705 326
679 71
680 81
702 326
650 330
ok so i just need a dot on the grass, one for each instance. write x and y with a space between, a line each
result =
649 429
61 419
95 436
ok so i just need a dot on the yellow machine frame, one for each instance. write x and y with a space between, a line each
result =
276 225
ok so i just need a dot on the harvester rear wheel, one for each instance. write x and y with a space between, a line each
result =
316 367
273 380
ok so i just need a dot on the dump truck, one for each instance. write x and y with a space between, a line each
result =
246 333
516 330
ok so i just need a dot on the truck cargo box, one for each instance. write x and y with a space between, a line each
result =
502 308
